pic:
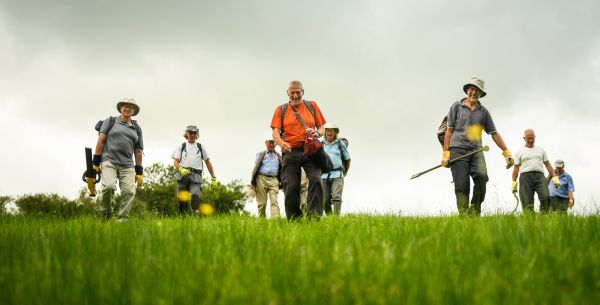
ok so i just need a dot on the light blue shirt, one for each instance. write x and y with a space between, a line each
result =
566 186
335 154
269 165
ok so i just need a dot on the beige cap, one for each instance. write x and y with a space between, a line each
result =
480 84
331 126
128 101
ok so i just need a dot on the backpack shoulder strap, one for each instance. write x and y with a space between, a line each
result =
111 123
261 156
182 149
200 150
283 110
310 108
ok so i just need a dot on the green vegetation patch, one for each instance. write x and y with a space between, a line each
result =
357 259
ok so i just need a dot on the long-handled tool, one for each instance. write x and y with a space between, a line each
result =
485 148
517 206
90 176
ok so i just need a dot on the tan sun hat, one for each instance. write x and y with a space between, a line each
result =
479 83
128 101
331 126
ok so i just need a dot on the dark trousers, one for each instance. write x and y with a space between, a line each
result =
473 167
531 182
559 204
290 180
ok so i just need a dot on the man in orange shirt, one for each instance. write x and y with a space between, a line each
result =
286 123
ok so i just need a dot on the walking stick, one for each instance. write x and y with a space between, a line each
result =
485 148
517 206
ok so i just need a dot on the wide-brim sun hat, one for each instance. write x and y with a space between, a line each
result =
191 128
331 126
131 102
479 83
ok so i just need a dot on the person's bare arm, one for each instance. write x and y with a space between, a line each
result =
515 173
176 163
100 143
499 141
447 136
209 166
550 169
138 156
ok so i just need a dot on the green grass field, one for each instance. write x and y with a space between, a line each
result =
360 259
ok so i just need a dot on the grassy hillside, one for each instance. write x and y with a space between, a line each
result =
360 259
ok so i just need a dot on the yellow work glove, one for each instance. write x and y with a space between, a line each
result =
139 179
556 182
213 182
509 159
446 158
571 202
184 171
514 186
139 172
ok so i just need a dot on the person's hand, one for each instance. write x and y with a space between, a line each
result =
446 158
513 187
213 182
252 191
286 147
571 203
96 163
184 171
509 159
556 182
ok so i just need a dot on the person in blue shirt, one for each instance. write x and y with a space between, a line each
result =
333 182
561 198
266 178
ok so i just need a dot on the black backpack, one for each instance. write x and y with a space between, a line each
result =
344 161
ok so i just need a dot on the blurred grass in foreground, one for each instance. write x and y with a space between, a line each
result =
357 259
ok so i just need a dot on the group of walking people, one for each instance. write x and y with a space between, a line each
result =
119 151
462 133
311 171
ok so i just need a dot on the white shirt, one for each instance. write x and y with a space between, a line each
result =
191 156
531 159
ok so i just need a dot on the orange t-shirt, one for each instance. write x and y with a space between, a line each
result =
294 131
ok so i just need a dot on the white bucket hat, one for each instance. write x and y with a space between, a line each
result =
480 84
128 101
331 126
559 163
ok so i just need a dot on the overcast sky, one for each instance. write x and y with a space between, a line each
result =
385 72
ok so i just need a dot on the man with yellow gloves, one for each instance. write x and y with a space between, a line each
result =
467 119
530 161
119 140
188 158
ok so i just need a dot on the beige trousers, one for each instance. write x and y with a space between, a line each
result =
267 185
126 176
